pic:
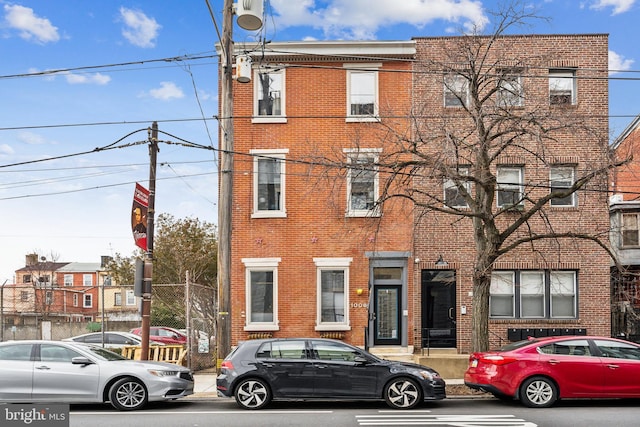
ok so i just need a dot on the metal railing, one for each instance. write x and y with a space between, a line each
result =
443 337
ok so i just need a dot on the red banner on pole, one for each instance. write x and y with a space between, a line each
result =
139 216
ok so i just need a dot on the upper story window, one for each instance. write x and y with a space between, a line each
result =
562 178
333 293
26 278
631 229
269 96
510 186
533 294
362 182
562 87
87 279
456 90
453 197
510 91
87 301
68 279
362 92
261 293
269 183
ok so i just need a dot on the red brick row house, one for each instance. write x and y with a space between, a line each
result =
315 252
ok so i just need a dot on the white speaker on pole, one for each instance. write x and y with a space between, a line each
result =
250 14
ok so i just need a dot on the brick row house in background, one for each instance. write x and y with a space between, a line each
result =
315 254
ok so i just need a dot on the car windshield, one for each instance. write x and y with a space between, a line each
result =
105 354
517 345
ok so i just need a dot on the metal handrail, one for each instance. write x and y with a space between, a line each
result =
427 335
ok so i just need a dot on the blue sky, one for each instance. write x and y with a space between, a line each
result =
120 65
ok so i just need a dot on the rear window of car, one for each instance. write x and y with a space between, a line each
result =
518 344
282 350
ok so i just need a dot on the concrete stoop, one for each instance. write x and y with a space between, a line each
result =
447 362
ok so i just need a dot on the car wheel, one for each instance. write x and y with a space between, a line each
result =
128 394
538 392
402 393
252 394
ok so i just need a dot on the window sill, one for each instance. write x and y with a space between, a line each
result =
364 119
332 327
362 214
269 214
261 327
262 119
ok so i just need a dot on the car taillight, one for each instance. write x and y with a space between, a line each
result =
496 359
226 364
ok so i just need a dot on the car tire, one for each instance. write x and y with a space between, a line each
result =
128 394
402 393
538 392
252 393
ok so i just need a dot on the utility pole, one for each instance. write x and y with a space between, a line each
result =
225 202
148 260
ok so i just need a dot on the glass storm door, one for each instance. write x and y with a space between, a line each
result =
387 301
439 308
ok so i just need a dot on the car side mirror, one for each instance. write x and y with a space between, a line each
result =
360 359
81 361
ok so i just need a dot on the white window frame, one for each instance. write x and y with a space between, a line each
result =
280 156
87 280
75 300
117 299
532 289
359 70
562 82
502 287
372 155
565 289
510 91
261 265
630 226
87 301
130 297
327 265
450 184
508 186
68 280
562 177
455 91
257 94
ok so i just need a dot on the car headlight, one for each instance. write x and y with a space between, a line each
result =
160 373
426 375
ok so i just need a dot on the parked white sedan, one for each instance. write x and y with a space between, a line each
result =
68 372
112 339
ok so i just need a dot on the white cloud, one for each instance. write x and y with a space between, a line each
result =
97 78
619 6
31 138
5 150
360 19
30 26
140 30
618 63
167 91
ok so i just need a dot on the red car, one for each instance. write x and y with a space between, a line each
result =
164 335
539 371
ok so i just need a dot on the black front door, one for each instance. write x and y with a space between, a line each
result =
439 309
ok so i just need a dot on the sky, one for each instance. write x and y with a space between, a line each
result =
81 83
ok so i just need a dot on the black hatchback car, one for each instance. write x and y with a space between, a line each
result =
258 371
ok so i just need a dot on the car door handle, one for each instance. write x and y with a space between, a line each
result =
610 366
553 361
323 366
43 368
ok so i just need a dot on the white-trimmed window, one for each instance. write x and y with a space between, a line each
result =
48 298
117 299
333 293
562 87
453 197
548 294
362 91
269 183
362 182
510 91
75 300
456 90
130 298
269 96
532 294
87 301
502 294
630 230
563 294
261 294
510 186
87 279
68 279
561 179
